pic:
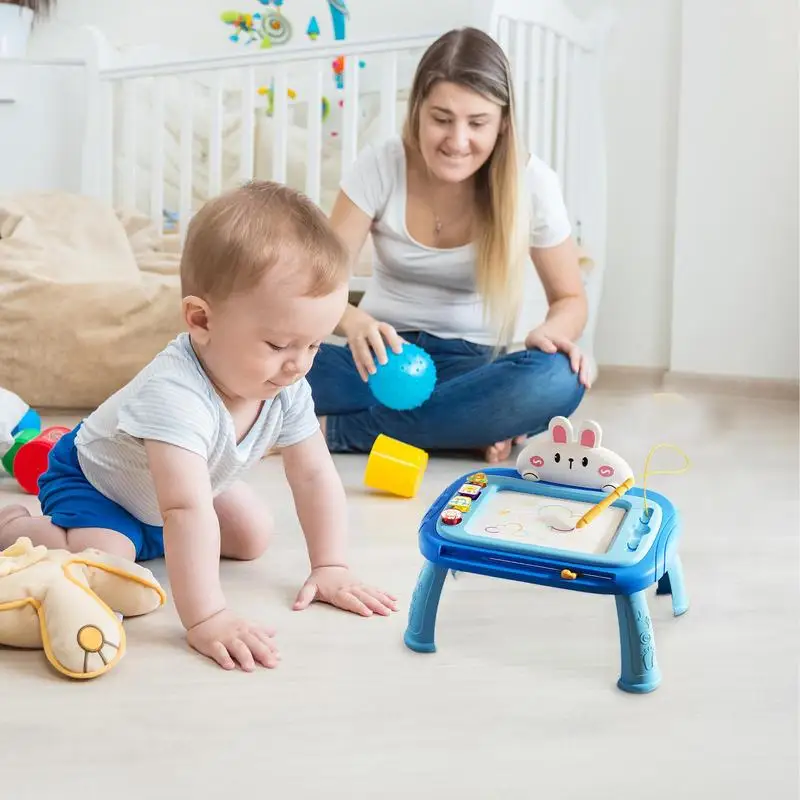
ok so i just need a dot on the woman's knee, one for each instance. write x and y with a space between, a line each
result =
549 388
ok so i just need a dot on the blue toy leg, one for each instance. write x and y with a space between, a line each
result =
419 633
680 599
639 669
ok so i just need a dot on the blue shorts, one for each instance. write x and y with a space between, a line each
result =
67 497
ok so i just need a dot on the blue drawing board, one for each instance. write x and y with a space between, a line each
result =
524 530
499 524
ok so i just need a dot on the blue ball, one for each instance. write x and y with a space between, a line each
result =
406 381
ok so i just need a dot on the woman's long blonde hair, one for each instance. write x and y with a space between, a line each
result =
470 58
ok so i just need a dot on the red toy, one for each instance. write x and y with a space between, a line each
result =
30 460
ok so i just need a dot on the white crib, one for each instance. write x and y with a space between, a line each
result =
163 134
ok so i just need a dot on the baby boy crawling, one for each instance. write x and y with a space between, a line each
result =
156 469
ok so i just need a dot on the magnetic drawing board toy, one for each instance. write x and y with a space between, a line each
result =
570 517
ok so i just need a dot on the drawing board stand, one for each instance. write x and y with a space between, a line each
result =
498 524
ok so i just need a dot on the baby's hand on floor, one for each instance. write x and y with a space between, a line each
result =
229 641
338 587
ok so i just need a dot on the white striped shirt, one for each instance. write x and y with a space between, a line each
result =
172 400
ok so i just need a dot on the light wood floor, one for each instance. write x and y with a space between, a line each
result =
519 701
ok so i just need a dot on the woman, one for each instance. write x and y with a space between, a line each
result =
454 212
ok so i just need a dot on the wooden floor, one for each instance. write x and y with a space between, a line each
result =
519 701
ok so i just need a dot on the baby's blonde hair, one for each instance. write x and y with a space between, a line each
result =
235 238
470 58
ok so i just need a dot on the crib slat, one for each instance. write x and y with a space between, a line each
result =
129 125
106 182
584 134
389 94
560 155
280 115
520 70
503 28
534 89
548 78
247 145
215 137
314 142
350 113
157 152
573 131
185 168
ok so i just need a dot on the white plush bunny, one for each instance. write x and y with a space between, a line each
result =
559 457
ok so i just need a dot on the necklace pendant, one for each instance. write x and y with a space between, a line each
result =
438 226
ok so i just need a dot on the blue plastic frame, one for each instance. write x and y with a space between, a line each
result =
644 552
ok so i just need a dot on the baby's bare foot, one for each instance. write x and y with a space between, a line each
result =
7 516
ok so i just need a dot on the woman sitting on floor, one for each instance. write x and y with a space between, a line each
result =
455 211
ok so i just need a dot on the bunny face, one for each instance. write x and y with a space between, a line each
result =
560 457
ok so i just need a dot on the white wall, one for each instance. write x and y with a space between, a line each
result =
641 88
194 25
31 158
735 306
642 79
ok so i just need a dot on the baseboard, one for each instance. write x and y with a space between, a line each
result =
756 388
618 378
614 378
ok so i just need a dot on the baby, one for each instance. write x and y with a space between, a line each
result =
156 469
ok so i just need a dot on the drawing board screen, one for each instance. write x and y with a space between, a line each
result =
522 517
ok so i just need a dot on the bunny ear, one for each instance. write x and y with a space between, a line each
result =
561 430
590 434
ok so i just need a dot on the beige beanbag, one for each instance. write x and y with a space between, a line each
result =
87 297
64 603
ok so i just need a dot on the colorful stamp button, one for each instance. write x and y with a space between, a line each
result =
451 516
461 503
470 490
478 479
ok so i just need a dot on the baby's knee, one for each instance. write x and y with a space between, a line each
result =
249 541
256 542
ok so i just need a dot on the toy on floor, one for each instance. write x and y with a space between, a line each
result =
395 467
583 529
407 379
27 459
15 416
65 603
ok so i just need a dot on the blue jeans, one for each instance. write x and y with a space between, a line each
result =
477 400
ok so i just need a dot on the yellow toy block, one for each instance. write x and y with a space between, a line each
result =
395 467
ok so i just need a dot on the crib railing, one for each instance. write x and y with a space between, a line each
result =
556 63
555 68
134 110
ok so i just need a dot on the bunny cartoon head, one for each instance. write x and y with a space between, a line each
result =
560 457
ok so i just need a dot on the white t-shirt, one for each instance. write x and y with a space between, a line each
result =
172 400
415 287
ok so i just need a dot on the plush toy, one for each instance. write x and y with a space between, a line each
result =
65 603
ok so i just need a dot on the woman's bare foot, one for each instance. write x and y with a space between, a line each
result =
500 451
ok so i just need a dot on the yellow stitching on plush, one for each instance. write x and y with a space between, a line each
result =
120 574
46 645
23 554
